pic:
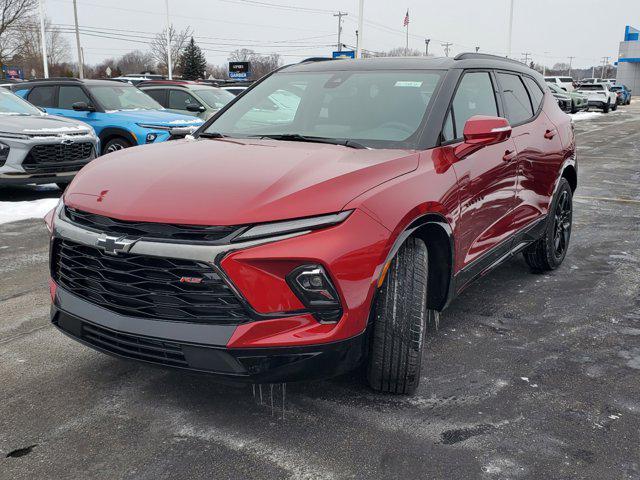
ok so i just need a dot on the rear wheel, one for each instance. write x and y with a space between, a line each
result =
574 108
548 252
614 107
605 108
114 145
400 319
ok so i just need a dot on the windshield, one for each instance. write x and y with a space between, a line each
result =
616 89
214 97
123 97
11 104
380 109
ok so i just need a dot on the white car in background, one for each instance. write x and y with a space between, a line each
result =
565 83
599 96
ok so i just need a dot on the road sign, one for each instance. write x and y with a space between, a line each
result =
108 71
345 54
12 72
239 70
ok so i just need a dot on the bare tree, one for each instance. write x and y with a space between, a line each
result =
136 62
28 50
402 52
13 13
177 40
217 71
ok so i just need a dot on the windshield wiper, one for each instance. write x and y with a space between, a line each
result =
212 135
296 137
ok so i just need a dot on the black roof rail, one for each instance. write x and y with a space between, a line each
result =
486 56
316 59
56 79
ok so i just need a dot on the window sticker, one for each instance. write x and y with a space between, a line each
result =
408 83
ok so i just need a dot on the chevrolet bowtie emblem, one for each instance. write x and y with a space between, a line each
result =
114 245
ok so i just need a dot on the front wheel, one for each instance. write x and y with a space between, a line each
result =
114 145
548 252
400 318
574 108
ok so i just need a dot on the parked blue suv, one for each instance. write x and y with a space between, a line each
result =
623 94
121 115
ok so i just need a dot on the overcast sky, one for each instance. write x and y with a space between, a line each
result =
550 30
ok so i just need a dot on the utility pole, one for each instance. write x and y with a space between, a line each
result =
80 59
426 46
605 62
477 49
447 47
570 63
340 15
169 66
360 25
43 41
510 29
525 60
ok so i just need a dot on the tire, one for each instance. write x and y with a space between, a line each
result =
115 144
605 108
400 319
614 107
574 109
548 252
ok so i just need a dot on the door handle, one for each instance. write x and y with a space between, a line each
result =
549 134
509 155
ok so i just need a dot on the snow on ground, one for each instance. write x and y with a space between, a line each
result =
591 115
14 211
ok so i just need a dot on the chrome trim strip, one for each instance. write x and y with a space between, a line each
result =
203 253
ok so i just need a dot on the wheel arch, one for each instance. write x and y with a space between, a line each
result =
108 134
437 234
571 174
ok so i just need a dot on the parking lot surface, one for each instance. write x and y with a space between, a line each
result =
528 376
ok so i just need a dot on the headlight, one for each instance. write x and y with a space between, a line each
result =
50 217
291 226
4 153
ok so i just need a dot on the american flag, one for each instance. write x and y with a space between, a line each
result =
406 19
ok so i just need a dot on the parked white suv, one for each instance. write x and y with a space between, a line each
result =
565 83
599 96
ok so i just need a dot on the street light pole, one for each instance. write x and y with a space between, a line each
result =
169 66
570 62
426 46
43 41
80 59
510 31
360 25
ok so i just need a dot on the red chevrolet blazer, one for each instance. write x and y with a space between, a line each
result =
318 222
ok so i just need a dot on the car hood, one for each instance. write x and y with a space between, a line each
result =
161 118
41 124
231 182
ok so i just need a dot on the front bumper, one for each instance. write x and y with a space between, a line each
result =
199 348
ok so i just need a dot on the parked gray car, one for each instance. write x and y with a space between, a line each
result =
39 148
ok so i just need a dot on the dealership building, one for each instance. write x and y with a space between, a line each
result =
629 60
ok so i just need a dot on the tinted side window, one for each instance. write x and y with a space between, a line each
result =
535 92
158 95
179 100
69 95
516 99
475 96
43 96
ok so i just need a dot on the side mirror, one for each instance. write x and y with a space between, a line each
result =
481 131
194 107
82 107
42 109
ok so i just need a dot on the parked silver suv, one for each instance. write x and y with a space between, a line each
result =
40 148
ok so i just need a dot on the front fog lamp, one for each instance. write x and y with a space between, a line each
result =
313 287
151 137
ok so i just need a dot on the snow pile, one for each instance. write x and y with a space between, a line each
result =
14 211
585 116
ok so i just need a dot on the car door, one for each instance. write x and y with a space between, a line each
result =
44 96
538 145
67 96
487 177
158 94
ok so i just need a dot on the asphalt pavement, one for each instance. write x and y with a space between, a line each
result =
528 376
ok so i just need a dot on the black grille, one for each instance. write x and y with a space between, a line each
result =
146 286
133 346
198 233
54 158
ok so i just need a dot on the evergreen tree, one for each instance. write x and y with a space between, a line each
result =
193 62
